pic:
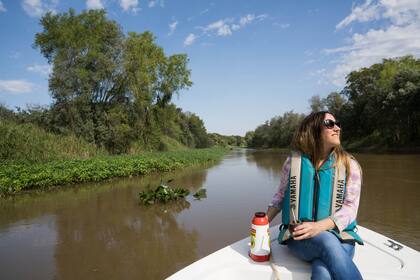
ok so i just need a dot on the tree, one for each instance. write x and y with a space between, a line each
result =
85 51
316 103
334 102
109 88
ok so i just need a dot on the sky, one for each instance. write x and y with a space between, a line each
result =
250 60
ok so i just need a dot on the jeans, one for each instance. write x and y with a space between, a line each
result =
330 259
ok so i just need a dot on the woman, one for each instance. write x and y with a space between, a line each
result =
319 196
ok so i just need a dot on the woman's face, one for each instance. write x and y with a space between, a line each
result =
330 135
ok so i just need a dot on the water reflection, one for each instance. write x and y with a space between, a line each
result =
127 241
27 249
390 195
267 160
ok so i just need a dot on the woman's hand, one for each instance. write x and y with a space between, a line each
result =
310 229
306 230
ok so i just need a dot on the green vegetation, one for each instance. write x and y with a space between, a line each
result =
111 93
276 133
379 109
162 194
201 193
19 176
28 142
225 141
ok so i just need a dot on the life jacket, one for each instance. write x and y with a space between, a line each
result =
313 195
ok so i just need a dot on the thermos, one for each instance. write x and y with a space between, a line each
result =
260 238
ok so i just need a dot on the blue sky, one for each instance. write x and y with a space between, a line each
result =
250 60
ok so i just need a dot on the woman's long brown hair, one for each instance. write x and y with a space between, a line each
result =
307 139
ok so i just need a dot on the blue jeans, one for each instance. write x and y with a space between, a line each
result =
330 259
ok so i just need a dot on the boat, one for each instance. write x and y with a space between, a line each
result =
379 258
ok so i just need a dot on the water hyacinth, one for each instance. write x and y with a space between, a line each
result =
162 194
19 176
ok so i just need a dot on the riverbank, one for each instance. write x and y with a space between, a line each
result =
366 150
16 177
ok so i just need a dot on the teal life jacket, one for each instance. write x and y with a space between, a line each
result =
314 195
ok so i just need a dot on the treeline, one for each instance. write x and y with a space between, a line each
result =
110 90
379 108
217 139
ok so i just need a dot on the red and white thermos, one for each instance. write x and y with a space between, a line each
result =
260 238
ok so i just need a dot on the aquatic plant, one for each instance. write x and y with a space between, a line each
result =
162 194
201 193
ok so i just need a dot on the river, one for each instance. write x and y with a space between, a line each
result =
99 230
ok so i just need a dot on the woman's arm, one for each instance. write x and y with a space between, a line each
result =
277 202
348 212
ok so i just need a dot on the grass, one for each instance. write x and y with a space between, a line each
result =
17 176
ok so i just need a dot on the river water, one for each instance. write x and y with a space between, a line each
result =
99 231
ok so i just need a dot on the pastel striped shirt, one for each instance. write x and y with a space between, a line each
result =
348 211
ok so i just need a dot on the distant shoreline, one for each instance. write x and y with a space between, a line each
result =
367 150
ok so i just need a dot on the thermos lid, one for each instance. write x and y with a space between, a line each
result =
260 214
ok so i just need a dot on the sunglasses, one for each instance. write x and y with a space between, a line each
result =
330 123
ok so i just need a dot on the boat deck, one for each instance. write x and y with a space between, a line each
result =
380 258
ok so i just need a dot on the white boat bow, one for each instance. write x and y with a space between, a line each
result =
380 258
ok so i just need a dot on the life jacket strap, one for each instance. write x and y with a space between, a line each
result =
295 174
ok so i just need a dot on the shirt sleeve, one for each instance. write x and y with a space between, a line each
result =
277 200
348 212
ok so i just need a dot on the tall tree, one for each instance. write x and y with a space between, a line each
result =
85 51
316 103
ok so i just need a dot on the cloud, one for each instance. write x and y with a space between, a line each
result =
15 86
128 5
36 8
94 4
282 25
225 27
220 27
153 3
189 40
2 8
44 70
201 13
172 27
15 55
399 12
399 37
362 13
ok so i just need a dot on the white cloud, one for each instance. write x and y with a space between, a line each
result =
282 25
2 8
399 12
36 8
94 4
246 20
153 3
224 27
201 13
362 13
189 40
15 55
172 27
40 69
399 38
129 5
15 86
221 27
